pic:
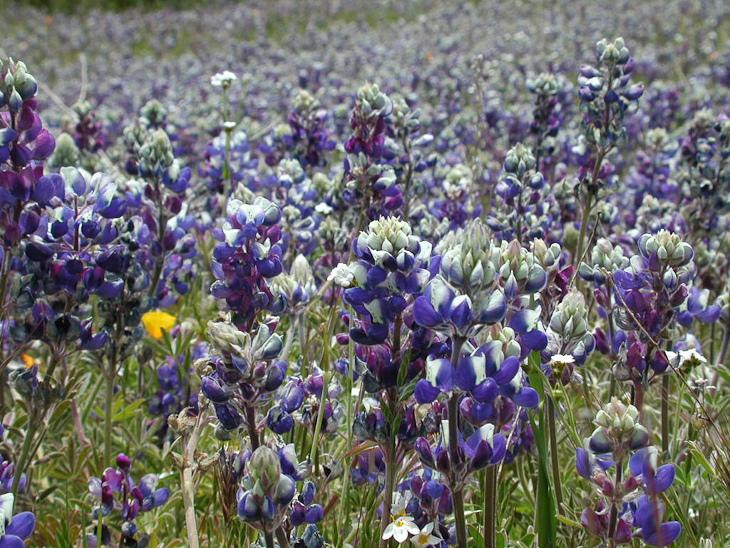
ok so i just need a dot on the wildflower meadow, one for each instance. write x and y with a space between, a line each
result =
363 274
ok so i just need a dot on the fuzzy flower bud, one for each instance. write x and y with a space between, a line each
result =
668 247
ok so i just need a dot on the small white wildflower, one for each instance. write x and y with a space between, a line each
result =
563 359
400 529
691 356
341 275
323 209
223 79
399 503
425 537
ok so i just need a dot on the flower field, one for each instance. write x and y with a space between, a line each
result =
357 274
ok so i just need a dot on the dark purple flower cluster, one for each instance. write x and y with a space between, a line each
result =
269 487
630 506
117 490
248 254
242 374
370 181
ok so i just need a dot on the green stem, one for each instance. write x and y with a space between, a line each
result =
554 452
581 237
388 493
457 490
269 539
490 507
24 456
344 501
303 345
665 414
108 416
251 424
613 517
282 538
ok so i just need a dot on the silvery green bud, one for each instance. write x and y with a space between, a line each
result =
604 256
265 345
373 102
543 84
82 108
506 336
457 181
388 234
519 160
618 429
152 114
282 130
66 153
290 171
657 138
569 317
548 257
400 110
519 268
301 271
668 247
156 152
15 103
321 183
618 417
304 101
468 259
612 53
265 468
227 338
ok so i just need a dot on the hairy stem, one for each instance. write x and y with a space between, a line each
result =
665 413
251 424
613 517
24 456
109 402
490 507
555 464
188 480
456 487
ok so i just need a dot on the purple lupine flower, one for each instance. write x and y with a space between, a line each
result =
116 490
602 461
247 255
16 529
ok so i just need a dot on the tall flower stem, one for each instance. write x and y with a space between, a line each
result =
188 481
587 213
389 458
344 501
320 412
456 489
555 463
108 416
251 424
24 456
490 507
722 355
303 344
665 413
582 236
613 516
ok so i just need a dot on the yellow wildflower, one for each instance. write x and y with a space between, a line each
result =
155 321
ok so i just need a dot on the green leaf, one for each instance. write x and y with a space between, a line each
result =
127 411
545 507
